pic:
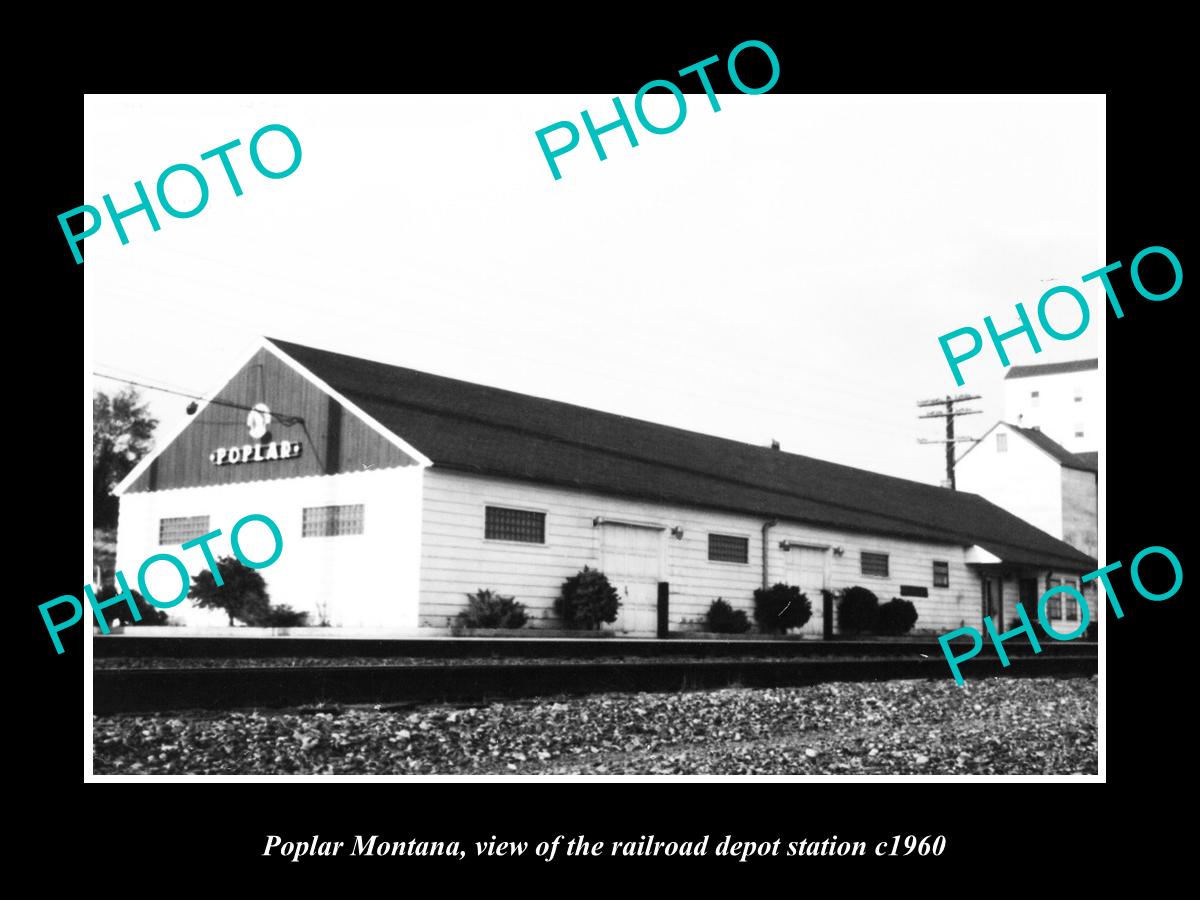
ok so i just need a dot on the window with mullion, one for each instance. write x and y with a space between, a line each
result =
941 574
727 548
180 529
332 521
874 564
1062 606
523 525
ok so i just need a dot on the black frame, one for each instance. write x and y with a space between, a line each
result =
522 526
734 549
862 563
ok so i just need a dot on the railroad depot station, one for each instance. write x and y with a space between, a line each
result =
398 493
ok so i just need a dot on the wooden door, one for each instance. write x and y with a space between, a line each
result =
806 568
632 561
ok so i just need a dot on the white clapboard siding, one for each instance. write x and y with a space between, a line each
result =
456 560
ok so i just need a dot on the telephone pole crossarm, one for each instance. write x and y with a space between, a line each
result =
949 415
942 415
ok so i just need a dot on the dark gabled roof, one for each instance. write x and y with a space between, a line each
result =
473 428
1086 462
1077 365
1055 449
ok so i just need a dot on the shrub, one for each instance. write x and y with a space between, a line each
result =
724 619
487 609
243 595
897 616
781 607
587 599
857 610
151 615
281 616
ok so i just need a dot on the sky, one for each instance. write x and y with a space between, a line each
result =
779 270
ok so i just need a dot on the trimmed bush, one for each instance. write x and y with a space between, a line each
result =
487 609
897 616
587 599
281 616
151 614
781 607
724 619
857 611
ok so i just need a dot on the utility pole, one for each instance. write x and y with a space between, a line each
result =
949 415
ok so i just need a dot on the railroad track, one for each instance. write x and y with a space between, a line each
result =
135 647
131 690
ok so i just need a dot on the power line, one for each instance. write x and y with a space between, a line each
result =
283 419
127 374
949 415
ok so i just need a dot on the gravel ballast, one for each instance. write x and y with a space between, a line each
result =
991 726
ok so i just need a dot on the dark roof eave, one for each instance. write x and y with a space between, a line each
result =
1032 370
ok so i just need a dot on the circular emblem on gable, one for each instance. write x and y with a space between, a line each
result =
258 420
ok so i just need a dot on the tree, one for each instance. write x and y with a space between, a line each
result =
122 433
243 595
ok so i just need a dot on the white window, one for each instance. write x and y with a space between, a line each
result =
181 529
1078 429
1062 607
1002 443
1034 397
1078 394
331 521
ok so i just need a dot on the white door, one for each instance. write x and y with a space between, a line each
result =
632 560
806 570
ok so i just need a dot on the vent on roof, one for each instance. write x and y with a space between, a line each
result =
774 445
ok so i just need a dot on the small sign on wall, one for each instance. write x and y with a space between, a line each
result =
255 453
257 423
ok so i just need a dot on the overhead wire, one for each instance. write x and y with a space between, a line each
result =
283 418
